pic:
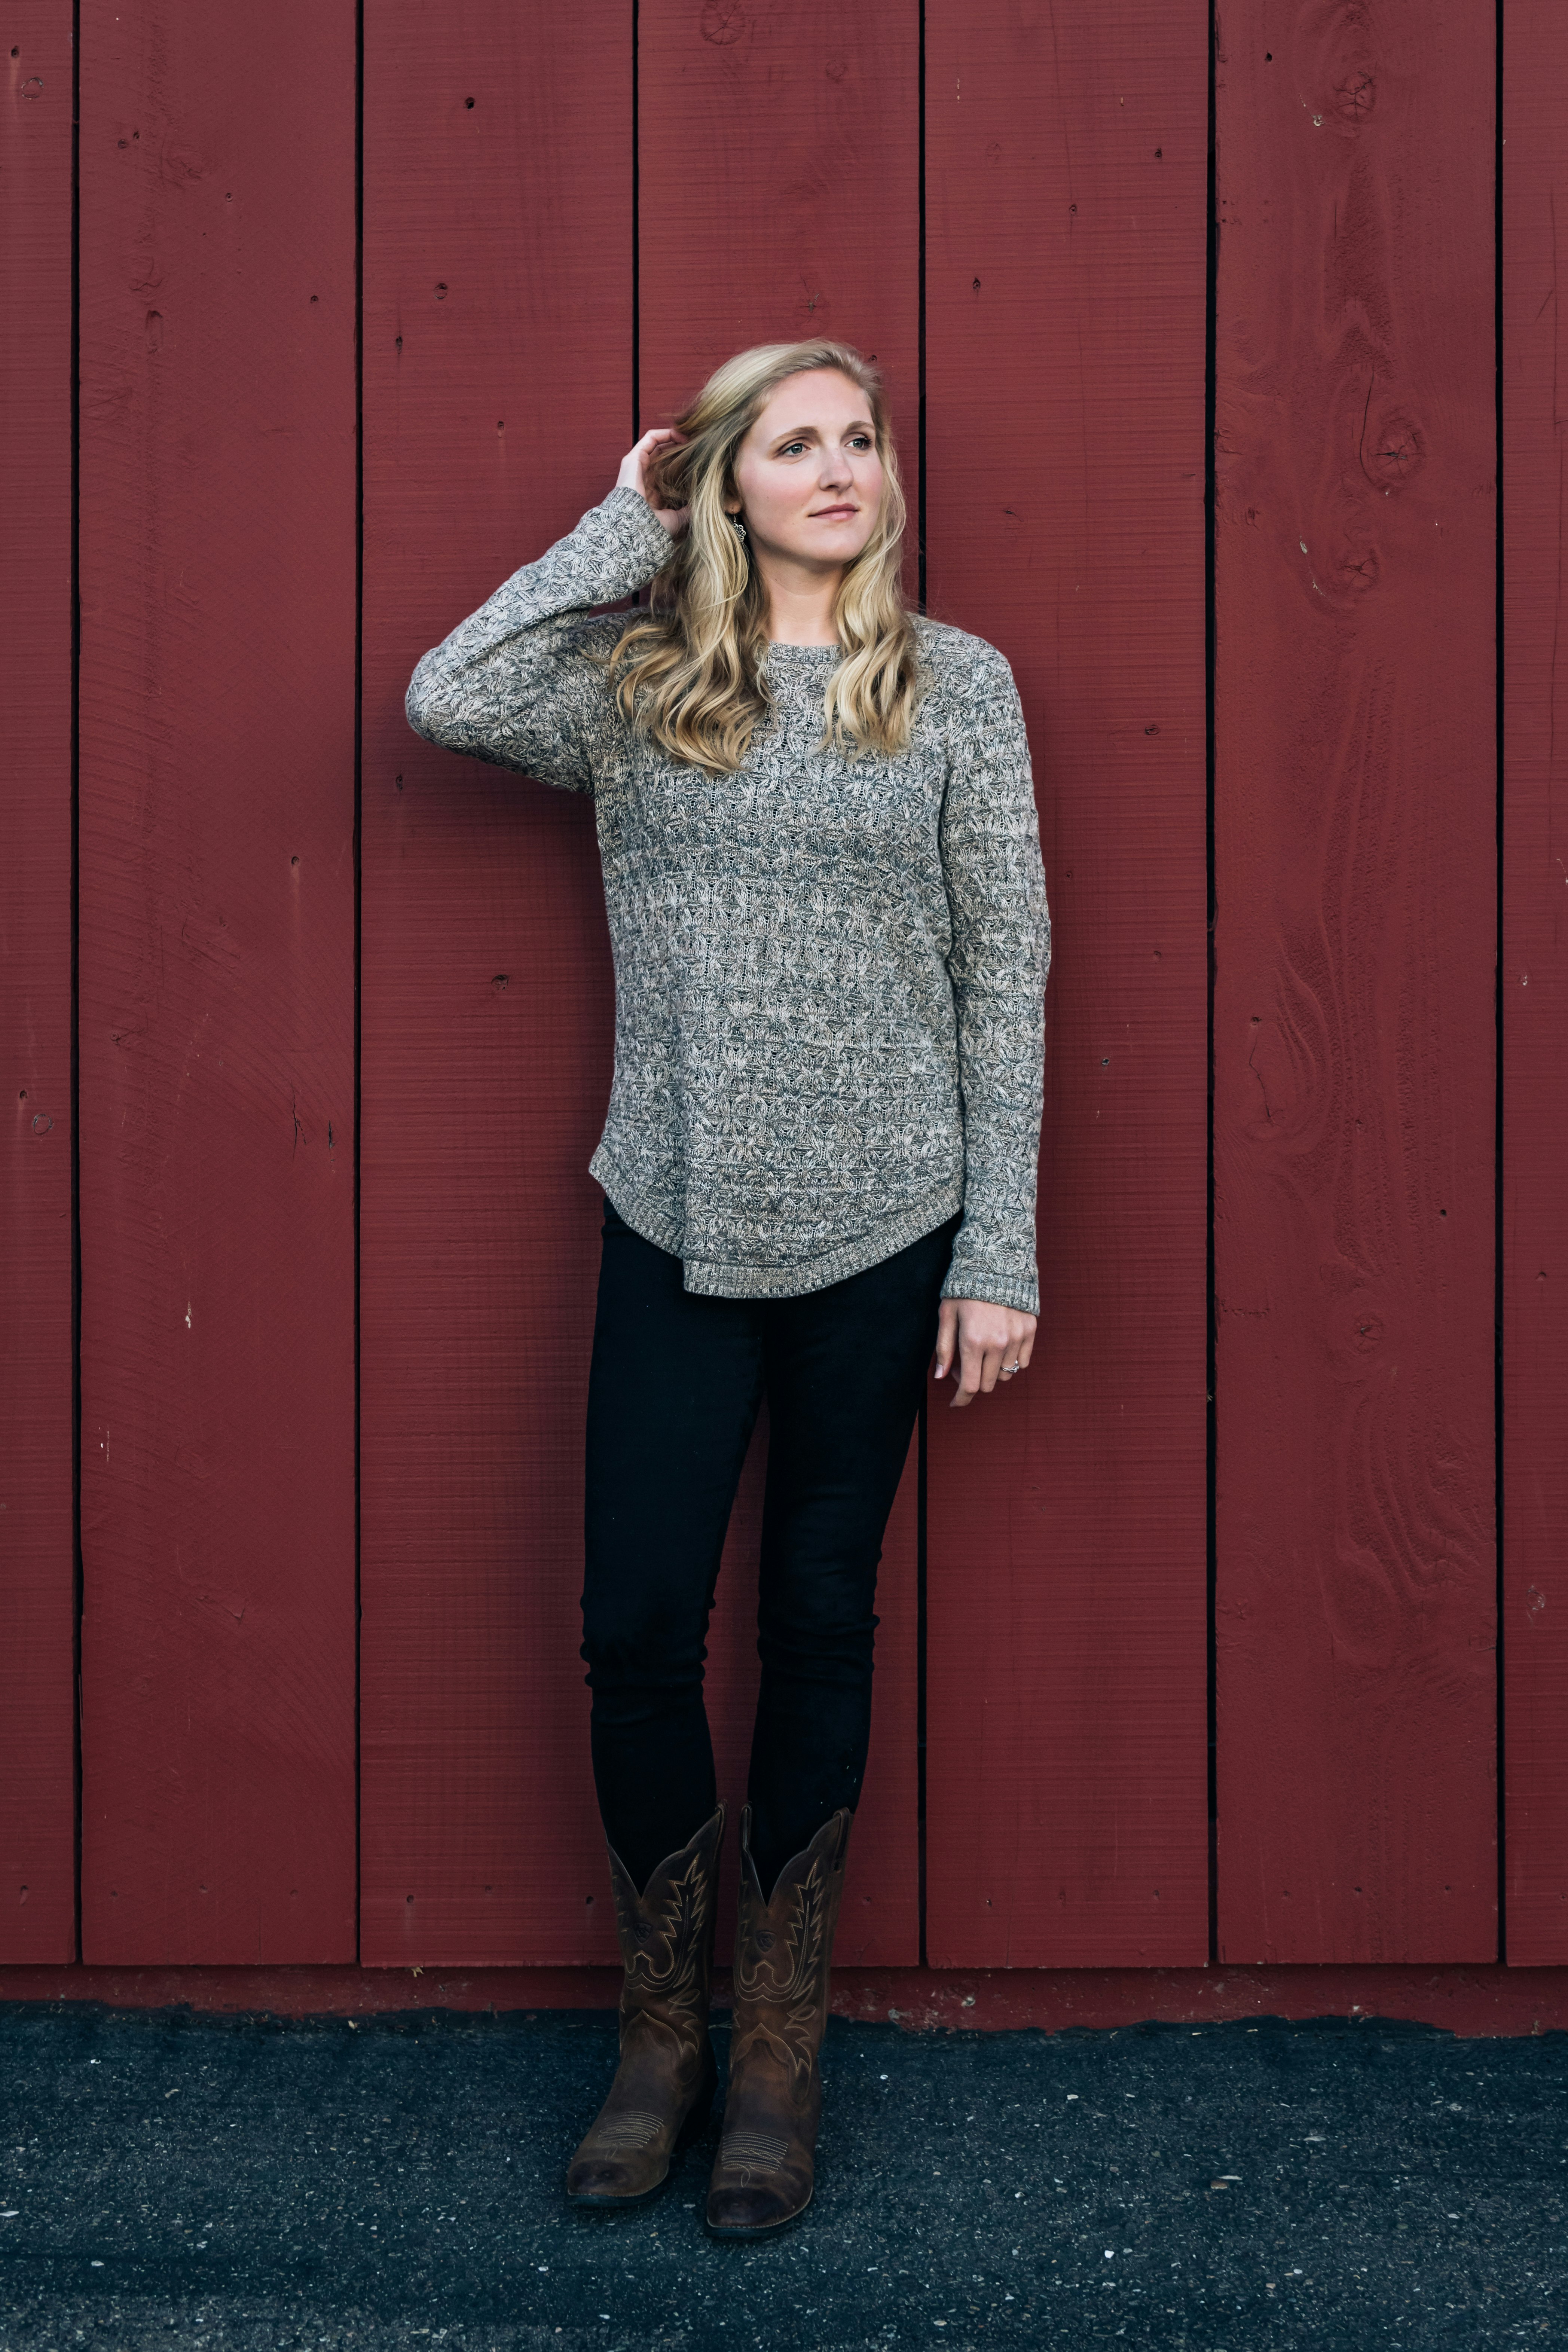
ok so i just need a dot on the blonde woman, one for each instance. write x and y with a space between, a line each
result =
827 911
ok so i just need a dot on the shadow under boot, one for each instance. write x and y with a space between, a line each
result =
665 2081
765 2169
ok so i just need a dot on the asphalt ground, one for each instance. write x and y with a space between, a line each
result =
176 2179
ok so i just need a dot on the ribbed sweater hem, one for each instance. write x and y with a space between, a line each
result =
716 1279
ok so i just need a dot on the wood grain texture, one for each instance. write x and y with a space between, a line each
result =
217 981
498 403
37 1709
1534 987
802 218
1354 1018
1066 1764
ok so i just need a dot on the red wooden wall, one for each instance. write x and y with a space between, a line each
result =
1533 988
350 352
498 357
217 545
1067 1803
38 1851
1355 815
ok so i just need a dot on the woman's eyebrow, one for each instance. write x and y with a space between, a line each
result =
813 432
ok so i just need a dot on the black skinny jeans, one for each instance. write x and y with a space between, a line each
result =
674 1389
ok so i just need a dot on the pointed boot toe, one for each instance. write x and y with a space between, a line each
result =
601 2181
739 2207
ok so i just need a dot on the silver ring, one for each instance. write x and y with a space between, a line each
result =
1012 1368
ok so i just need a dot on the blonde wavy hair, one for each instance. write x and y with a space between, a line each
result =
689 673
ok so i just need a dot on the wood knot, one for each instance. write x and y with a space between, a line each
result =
1358 569
1393 451
1354 97
721 22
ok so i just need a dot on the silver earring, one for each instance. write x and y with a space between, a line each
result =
740 526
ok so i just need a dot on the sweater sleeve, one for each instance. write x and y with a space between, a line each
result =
1000 955
510 684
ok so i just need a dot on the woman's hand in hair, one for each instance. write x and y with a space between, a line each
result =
983 1338
633 475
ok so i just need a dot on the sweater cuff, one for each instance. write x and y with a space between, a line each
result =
637 530
994 1288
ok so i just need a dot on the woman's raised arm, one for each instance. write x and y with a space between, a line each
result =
510 685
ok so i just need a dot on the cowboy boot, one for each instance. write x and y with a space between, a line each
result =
665 2082
762 2175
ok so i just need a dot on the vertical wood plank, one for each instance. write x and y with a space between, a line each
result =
1066 1761
498 403
38 1800
1534 986
1353 1021
217 981
778 171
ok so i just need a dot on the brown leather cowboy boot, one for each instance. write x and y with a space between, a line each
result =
764 2174
664 2084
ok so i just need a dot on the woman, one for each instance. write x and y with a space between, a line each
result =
827 911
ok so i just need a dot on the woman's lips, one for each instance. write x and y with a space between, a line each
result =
833 514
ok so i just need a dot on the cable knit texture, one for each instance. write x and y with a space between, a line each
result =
830 974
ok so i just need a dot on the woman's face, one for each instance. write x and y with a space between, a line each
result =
808 473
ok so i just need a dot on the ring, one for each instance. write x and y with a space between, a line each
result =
1012 1368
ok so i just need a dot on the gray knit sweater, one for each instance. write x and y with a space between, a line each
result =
830 973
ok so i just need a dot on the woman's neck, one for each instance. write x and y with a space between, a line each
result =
800 609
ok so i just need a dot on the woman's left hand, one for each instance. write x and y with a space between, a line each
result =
988 1341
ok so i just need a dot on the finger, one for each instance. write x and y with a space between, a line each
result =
946 1318
973 1366
946 1325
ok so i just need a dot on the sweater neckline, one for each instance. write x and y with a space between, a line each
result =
801 652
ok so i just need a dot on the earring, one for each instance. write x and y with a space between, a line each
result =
740 526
